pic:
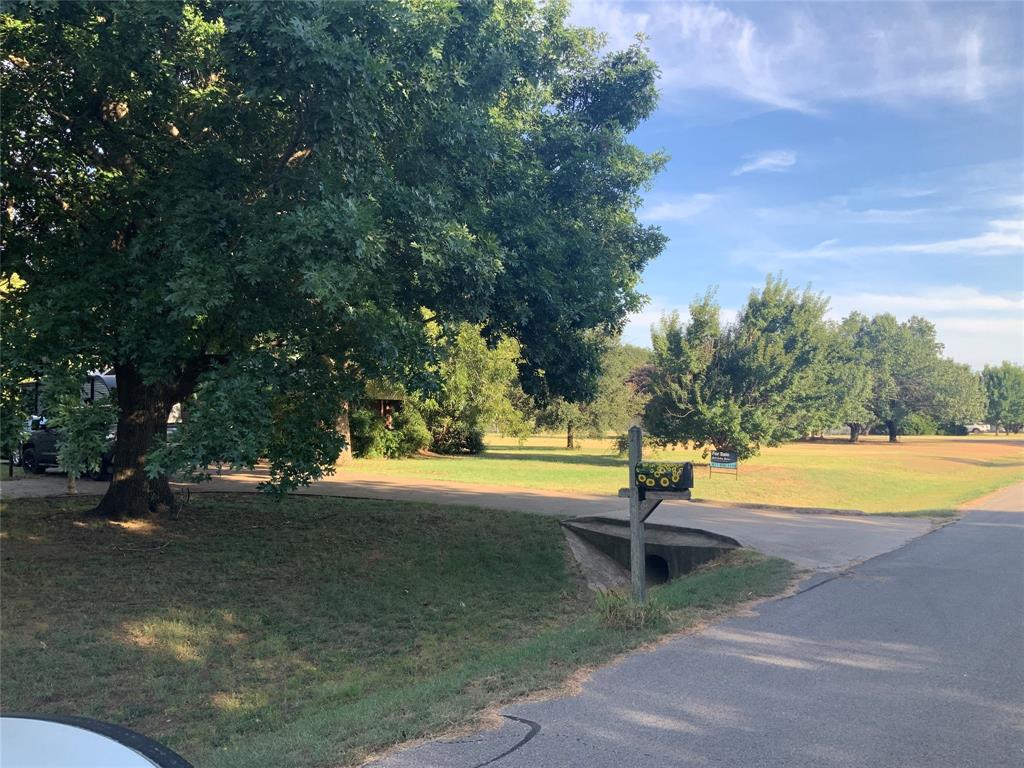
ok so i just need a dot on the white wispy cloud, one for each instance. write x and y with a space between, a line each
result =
976 327
1004 237
804 57
774 160
679 208
933 300
911 192
974 193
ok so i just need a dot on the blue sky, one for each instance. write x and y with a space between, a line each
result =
875 151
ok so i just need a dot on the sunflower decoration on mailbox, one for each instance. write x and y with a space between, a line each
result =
665 476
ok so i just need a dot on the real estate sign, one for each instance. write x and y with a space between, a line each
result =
724 460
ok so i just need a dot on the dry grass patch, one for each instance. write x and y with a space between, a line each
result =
918 475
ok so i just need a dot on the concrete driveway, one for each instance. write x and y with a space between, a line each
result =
912 659
814 541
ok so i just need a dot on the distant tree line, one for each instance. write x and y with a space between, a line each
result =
778 372
781 370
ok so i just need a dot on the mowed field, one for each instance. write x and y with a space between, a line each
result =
918 475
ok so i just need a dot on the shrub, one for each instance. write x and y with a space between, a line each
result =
412 432
372 439
453 437
366 429
918 424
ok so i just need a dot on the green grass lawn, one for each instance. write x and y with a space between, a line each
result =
916 475
309 632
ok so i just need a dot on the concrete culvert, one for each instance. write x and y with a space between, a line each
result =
602 547
656 569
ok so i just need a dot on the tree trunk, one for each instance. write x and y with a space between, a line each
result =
344 428
570 437
854 432
891 426
144 409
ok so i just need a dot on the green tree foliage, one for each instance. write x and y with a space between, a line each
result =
14 410
13 416
959 396
83 425
843 383
909 375
247 205
372 437
478 390
741 386
918 424
617 400
1004 395
903 359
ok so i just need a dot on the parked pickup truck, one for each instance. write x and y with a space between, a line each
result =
39 450
40 442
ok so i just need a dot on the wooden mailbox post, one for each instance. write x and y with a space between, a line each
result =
649 485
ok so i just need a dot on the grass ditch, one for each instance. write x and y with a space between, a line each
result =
311 632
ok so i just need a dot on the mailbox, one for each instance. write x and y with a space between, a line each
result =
666 477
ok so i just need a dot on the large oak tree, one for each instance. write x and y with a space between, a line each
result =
908 374
249 206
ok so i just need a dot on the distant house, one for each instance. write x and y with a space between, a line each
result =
385 400
380 398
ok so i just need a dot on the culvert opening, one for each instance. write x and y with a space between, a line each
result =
656 569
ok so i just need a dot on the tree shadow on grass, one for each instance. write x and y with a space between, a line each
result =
501 447
581 459
240 606
993 463
1016 441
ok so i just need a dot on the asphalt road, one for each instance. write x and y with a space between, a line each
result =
914 658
